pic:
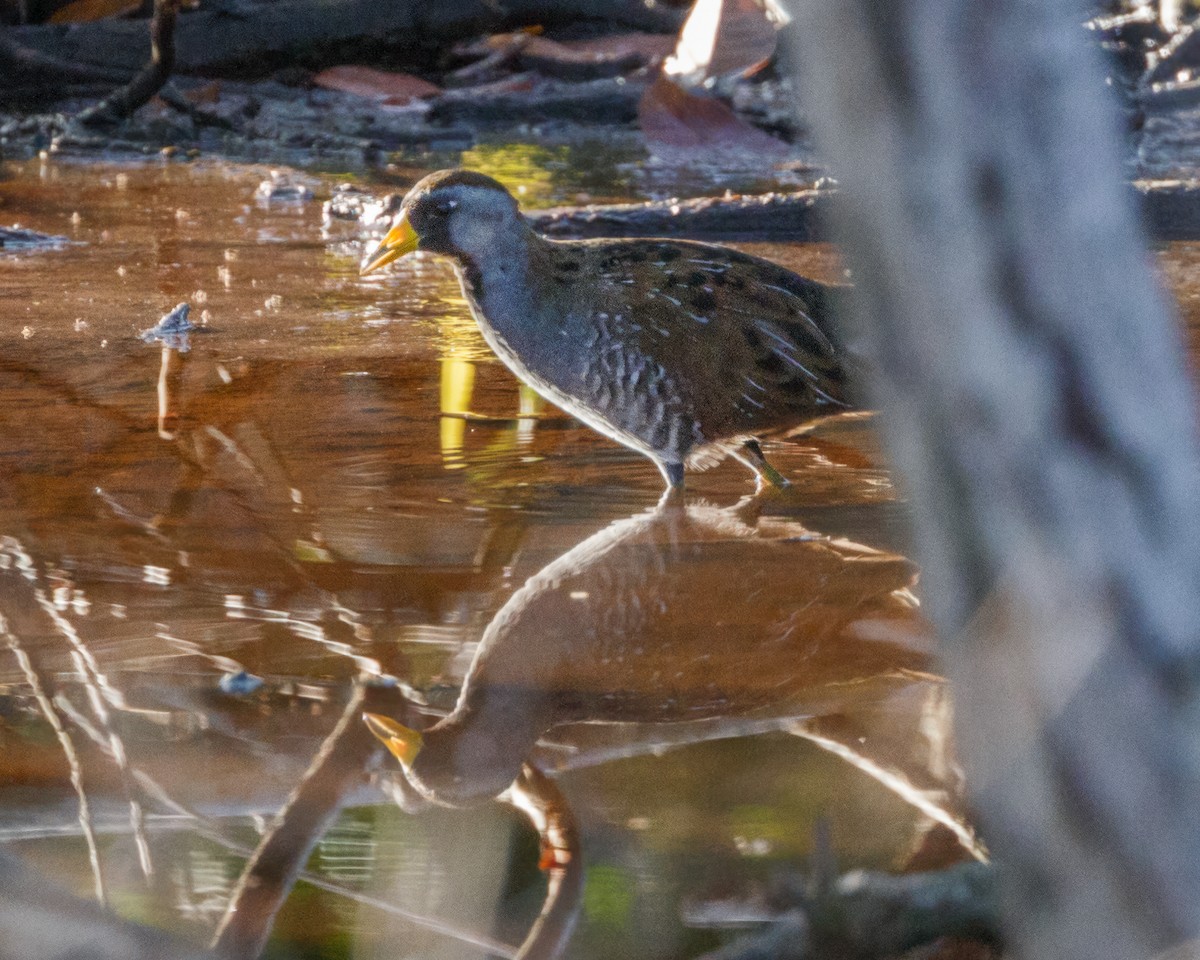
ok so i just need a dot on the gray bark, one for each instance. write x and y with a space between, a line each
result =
1036 403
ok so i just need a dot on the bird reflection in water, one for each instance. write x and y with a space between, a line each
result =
639 637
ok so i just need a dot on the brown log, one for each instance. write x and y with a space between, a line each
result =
1036 402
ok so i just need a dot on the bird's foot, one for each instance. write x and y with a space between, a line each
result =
672 473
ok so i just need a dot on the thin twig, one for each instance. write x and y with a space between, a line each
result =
99 690
215 831
33 678
202 118
121 104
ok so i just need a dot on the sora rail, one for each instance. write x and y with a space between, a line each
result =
683 351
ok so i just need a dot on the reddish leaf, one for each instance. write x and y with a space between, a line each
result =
672 118
722 36
380 85
606 56
208 94
84 10
653 47
576 63
496 41
629 51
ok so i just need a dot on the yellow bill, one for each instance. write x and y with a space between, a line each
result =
400 240
404 743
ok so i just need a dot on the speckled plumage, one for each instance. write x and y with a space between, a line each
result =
680 350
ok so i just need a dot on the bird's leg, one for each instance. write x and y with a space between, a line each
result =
672 473
751 455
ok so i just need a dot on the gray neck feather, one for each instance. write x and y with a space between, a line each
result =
503 284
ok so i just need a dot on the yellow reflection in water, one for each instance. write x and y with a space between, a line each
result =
458 334
461 347
457 386
524 168
530 406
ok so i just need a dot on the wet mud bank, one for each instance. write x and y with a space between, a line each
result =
284 83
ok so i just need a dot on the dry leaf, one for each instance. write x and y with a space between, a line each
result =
654 47
82 11
208 94
383 86
671 117
576 63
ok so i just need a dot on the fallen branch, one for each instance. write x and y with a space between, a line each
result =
121 104
769 216
1170 211
598 101
223 38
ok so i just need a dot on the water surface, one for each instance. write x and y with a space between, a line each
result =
204 553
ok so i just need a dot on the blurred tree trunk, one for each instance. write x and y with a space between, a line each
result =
1036 403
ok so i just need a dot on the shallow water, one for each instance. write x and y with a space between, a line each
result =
202 553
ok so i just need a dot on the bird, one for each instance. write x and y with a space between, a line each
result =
683 351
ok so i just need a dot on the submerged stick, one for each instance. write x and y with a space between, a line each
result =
41 919
34 679
100 692
272 870
219 833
